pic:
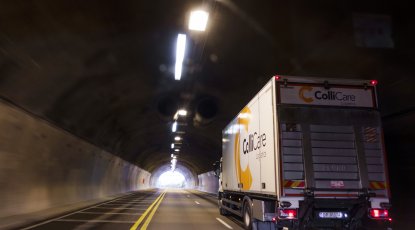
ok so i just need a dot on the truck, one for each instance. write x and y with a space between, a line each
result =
307 153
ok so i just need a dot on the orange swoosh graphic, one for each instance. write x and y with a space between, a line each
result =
243 176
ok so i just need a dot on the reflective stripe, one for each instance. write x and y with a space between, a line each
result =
378 185
294 184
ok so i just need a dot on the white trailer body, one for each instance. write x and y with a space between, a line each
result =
301 138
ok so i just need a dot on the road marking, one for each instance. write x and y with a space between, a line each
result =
110 213
126 205
147 202
197 202
138 222
144 227
96 221
48 221
138 209
224 223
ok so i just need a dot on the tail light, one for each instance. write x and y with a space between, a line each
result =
377 213
287 214
373 82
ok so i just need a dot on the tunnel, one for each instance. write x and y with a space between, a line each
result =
100 130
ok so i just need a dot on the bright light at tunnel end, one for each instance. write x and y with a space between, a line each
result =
171 179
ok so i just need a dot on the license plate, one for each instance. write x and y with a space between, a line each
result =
332 215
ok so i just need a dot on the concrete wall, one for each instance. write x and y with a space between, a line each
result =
208 182
42 167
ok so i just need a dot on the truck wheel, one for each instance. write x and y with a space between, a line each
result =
247 216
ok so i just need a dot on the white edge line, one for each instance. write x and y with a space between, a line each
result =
89 207
197 202
224 223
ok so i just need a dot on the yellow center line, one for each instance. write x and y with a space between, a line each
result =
138 222
144 227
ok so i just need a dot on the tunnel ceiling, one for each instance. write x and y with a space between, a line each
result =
103 70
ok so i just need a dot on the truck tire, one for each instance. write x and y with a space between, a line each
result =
247 216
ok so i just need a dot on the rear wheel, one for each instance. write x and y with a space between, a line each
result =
247 216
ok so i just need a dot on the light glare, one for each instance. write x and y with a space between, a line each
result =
177 138
172 145
198 20
180 49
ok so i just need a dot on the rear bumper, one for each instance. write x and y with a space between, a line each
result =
356 209
366 224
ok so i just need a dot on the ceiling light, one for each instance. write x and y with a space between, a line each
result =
177 138
174 127
176 150
182 112
180 49
198 20
172 145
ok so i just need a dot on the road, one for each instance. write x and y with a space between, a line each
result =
151 209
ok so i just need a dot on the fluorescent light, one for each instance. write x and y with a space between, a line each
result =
198 20
182 112
176 150
172 155
180 48
177 138
172 145
174 127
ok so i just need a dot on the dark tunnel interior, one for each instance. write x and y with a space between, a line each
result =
88 95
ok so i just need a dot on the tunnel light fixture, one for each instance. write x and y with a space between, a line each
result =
177 138
182 112
174 127
180 50
198 20
176 150
172 145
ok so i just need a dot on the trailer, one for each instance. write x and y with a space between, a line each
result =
307 153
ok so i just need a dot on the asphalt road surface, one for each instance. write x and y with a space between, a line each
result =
151 209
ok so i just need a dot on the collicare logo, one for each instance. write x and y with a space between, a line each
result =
302 96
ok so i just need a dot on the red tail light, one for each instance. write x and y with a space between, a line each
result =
373 82
277 77
287 213
377 213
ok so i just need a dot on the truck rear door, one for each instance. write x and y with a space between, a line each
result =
334 149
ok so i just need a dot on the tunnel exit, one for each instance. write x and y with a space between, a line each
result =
172 179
